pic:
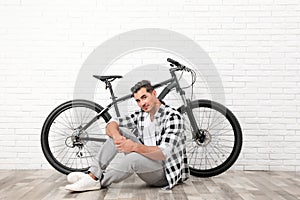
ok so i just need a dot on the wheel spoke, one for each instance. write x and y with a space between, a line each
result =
65 118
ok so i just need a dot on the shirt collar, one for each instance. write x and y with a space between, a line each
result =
160 111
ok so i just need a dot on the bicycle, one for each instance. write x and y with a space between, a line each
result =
74 131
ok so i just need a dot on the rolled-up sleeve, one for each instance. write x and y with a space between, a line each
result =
172 135
128 121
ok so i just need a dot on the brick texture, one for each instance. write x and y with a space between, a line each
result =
254 45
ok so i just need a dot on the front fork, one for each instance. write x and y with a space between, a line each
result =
196 131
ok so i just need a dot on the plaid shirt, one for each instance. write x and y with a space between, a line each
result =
170 138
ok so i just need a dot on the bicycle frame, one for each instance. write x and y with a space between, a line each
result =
171 84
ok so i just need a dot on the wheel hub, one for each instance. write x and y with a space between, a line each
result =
75 139
203 137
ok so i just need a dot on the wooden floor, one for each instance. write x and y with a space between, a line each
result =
49 184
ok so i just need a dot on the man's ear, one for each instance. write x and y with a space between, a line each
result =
154 92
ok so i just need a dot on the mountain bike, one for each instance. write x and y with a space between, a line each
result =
74 131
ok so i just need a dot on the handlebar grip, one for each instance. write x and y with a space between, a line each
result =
173 62
179 66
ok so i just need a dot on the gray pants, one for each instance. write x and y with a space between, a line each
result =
150 171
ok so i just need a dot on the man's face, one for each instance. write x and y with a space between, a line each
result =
145 100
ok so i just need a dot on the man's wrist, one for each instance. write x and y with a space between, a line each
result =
136 147
116 136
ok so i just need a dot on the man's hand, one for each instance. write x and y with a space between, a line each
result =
125 145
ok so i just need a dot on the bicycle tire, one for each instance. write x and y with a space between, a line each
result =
59 139
207 159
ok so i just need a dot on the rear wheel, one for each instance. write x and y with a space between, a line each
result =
218 141
64 146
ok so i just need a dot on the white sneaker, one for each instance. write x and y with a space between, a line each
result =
86 183
73 177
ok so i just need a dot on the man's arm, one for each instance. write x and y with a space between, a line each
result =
112 130
152 152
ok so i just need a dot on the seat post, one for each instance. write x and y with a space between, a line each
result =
113 97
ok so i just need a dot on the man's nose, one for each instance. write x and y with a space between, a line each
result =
143 103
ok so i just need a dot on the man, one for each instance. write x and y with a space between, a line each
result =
155 151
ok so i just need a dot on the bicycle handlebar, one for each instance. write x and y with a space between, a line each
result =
173 62
178 65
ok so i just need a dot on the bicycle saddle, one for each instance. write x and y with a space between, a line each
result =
107 78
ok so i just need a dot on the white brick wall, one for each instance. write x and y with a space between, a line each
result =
254 45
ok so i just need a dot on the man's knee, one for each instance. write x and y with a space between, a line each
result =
129 135
132 161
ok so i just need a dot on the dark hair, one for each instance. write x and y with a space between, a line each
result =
142 84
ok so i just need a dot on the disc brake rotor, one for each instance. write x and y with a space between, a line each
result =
207 139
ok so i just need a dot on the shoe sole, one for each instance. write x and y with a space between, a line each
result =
74 190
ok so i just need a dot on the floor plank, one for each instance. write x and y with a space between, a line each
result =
245 185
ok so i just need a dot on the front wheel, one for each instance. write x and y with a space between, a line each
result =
217 143
66 147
